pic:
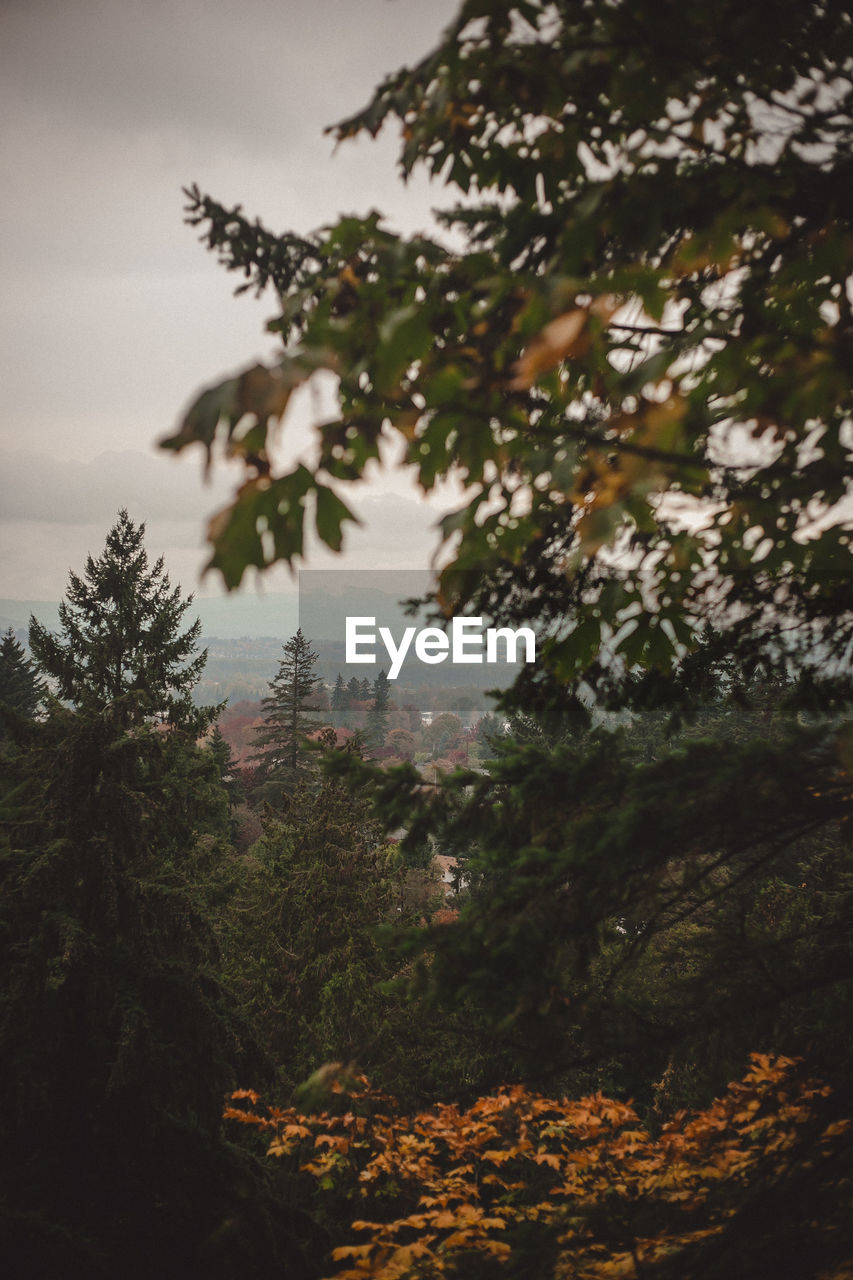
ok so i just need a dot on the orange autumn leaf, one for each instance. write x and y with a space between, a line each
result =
438 1191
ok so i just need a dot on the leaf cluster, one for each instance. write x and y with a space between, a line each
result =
671 384
525 1185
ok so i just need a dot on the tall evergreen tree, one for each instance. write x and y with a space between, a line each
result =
120 635
354 690
113 1020
377 716
21 690
281 753
340 701
228 773
117 1039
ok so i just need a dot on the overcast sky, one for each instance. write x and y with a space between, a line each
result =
112 315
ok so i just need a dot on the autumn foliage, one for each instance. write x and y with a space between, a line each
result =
521 1184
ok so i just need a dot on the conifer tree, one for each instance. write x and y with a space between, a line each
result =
113 1020
340 701
120 635
377 716
21 690
281 753
228 774
354 690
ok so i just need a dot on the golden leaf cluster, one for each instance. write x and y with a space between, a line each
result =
448 1186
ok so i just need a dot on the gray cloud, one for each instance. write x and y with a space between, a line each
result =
55 514
40 488
251 73
111 315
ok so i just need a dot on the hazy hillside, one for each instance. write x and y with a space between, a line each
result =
228 617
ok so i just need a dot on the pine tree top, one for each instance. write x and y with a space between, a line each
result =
120 640
21 690
287 713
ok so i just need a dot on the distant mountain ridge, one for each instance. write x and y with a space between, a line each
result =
223 617
321 607
244 635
